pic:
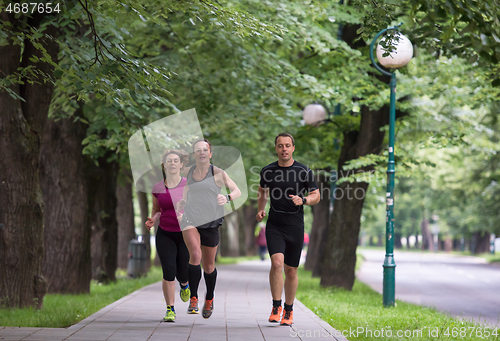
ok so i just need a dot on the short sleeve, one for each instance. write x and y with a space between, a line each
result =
263 182
157 188
311 184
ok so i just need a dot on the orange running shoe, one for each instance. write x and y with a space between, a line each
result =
193 306
275 314
287 319
208 308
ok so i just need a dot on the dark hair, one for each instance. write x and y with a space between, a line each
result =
284 135
203 140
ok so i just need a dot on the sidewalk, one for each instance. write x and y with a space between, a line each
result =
242 306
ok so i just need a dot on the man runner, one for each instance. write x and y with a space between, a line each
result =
287 182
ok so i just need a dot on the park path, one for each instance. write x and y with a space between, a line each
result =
241 308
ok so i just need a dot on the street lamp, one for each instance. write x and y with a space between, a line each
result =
314 114
399 57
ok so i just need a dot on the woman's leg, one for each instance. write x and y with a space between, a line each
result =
192 240
182 261
167 250
210 272
168 291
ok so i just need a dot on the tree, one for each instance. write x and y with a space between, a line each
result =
25 107
66 217
124 215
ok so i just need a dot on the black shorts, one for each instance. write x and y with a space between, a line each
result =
286 240
215 223
173 254
209 236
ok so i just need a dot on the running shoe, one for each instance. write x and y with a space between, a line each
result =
169 315
208 308
185 293
275 314
287 319
193 306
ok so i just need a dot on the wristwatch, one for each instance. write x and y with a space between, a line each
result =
228 197
304 200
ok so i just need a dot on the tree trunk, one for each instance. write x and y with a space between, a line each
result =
229 245
427 242
414 229
66 264
397 241
249 223
380 240
124 215
482 242
22 126
146 234
321 218
342 239
104 224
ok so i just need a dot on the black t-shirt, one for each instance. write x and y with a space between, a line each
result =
296 179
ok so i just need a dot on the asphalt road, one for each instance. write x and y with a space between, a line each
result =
462 286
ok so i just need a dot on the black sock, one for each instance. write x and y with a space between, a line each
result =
276 303
184 286
171 308
288 307
210 280
194 276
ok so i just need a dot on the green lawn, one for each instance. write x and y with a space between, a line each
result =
66 310
361 315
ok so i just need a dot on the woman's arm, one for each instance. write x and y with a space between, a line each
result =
224 179
182 203
155 214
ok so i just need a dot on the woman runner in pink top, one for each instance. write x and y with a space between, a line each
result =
172 250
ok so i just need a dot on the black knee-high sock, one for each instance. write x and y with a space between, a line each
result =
210 280
194 276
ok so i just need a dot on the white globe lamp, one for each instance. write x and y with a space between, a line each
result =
314 114
400 56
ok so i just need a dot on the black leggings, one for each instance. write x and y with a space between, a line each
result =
173 254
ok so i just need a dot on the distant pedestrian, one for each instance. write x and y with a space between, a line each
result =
200 223
261 241
170 245
286 181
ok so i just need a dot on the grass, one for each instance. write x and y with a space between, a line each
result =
490 258
361 315
60 311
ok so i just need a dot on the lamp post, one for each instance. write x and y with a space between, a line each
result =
398 58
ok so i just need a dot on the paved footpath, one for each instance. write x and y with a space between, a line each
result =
242 305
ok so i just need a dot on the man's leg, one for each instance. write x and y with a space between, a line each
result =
291 284
276 275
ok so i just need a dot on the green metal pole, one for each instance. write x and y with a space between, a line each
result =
389 264
389 285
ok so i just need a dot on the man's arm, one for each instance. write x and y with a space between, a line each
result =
313 198
263 196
